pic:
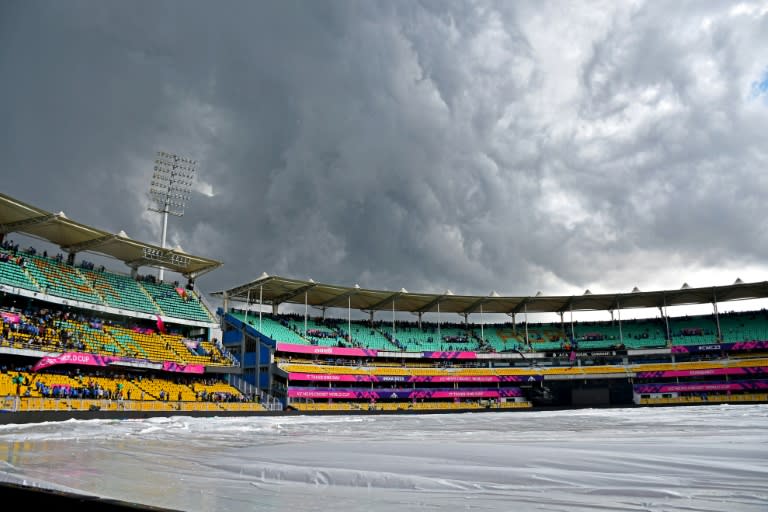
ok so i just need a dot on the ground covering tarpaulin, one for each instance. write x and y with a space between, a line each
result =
707 458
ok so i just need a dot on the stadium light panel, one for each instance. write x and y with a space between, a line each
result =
170 188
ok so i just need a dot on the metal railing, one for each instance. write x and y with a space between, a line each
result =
246 388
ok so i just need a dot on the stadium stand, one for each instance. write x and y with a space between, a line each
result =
176 302
121 291
12 271
60 280
81 338
77 337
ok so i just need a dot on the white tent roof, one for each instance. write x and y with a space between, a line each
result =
71 236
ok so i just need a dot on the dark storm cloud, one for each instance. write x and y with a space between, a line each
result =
464 145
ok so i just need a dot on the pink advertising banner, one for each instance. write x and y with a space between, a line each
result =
722 347
754 370
450 355
378 394
751 385
458 378
170 366
333 377
364 352
78 358
329 377
10 318
326 351
84 359
320 393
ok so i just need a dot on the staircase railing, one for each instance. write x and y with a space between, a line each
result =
246 388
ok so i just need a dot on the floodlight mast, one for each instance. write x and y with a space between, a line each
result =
171 188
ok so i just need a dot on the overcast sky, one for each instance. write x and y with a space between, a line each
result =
472 146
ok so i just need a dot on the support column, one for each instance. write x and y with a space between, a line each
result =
162 240
482 334
349 319
261 297
527 342
394 336
618 312
247 306
562 322
717 319
258 362
242 350
225 305
306 312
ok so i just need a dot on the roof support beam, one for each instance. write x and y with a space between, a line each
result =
10 227
88 244
286 297
138 262
567 306
387 300
243 289
520 307
330 302
472 307
434 302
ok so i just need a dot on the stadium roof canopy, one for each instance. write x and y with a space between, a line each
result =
73 237
278 290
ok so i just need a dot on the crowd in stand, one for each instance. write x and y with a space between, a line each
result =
40 327
9 246
221 396
87 388
89 265
45 327
17 259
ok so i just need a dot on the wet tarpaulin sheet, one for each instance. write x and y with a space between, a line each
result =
707 458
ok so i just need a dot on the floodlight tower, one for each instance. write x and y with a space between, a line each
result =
171 187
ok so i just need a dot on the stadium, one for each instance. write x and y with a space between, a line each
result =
84 342
434 255
81 341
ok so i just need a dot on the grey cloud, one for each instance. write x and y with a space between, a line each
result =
430 145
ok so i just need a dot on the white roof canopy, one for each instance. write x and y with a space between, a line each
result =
278 290
73 237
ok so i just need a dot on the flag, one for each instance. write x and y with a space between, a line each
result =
10 318
160 324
